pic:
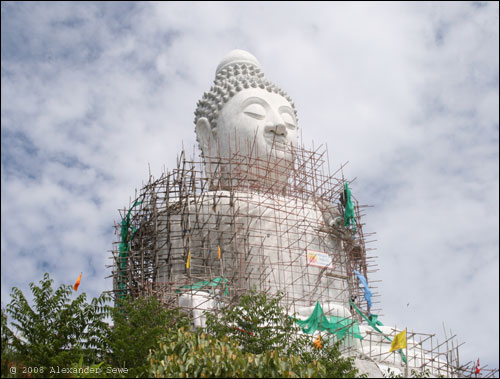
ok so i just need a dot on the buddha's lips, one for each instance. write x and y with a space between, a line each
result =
279 142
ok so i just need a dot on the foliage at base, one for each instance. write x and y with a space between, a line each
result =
198 355
253 338
56 331
138 324
60 337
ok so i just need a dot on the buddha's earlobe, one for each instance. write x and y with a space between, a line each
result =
204 134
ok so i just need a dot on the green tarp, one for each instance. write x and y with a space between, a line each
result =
373 321
339 326
349 209
216 282
124 249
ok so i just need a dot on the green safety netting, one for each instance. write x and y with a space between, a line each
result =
124 248
339 326
373 321
349 209
208 283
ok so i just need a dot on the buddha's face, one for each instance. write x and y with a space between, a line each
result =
257 123
254 124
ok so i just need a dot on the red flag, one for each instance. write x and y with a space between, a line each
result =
77 283
478 370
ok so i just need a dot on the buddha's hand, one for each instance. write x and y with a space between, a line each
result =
337 221
331 214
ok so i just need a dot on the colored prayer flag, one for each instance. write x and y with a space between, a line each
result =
218 251
349 208
399 341
77 283
189 259
368 293
317 342
478 370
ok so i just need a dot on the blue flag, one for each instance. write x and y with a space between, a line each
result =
368 293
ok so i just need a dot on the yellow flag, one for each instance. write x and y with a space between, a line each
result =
399 341
189 259
218 251
77 283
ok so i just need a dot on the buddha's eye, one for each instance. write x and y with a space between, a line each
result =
288 119
256 111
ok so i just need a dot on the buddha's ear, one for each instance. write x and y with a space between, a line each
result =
205 134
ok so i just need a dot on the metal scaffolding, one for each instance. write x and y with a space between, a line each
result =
220 217
216 227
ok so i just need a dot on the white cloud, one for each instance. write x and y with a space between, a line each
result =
407 92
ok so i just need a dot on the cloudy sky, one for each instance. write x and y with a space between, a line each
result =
96 94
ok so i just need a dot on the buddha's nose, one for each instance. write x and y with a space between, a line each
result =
279 130
277 126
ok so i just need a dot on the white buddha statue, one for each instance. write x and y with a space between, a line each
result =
246 228
255 217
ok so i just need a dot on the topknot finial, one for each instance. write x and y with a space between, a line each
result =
235 57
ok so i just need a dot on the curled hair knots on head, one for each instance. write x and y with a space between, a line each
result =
230 80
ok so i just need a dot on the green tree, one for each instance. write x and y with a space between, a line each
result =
258 324
330 357
255 338
8 354
138 325
185 354
55 331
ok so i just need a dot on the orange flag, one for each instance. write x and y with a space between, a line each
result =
77 283
317 342
218 251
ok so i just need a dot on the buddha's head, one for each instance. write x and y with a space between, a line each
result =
245 114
